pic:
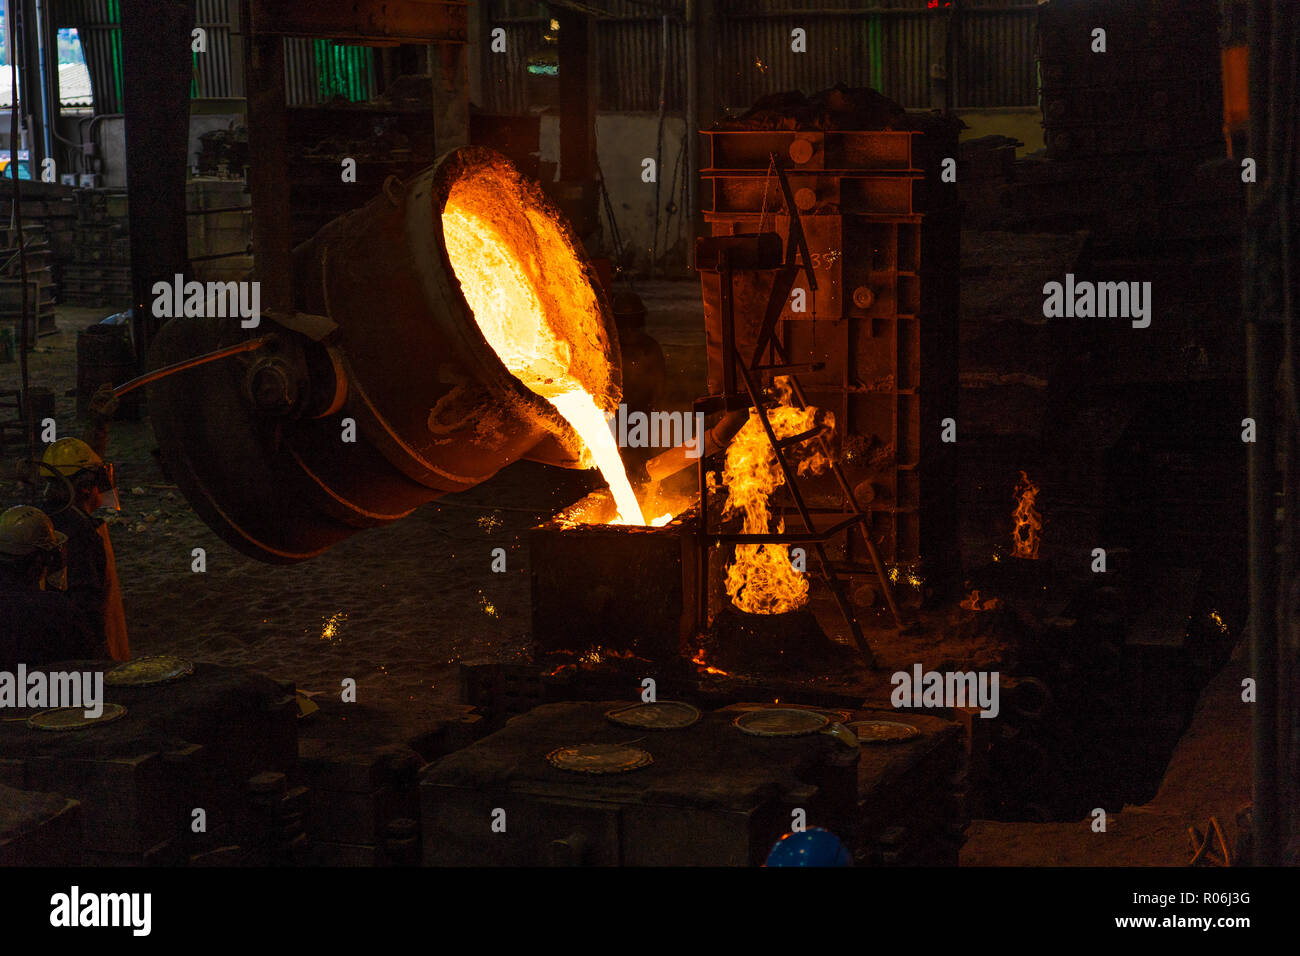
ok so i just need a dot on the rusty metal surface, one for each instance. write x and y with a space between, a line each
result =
214 731
74 718
780 723
882 235
852 151
656 715
712 796
144 671
599 759
619 587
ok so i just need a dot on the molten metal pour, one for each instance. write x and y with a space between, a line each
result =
511 317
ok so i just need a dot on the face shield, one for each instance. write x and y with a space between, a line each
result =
106 482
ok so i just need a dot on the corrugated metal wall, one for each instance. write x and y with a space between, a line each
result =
212 70
630 52
96 23
343 70
887 48
299 71
880 43
314 71
905 48
505 75
995 57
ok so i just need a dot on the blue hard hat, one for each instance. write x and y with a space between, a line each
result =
813 847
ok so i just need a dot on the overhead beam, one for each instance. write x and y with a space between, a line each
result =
363 21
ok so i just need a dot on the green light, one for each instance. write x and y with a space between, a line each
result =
343 70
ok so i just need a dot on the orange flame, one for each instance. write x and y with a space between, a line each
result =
705 665
1025 536
762 580
973 602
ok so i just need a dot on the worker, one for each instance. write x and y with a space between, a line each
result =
37 626
86 478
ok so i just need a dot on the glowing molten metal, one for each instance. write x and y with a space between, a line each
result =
762 580
1029 522
499 277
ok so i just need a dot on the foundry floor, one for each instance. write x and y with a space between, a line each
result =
1208 777
396 608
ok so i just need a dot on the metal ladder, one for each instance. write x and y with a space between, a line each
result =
762 252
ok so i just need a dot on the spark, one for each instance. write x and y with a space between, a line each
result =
333 625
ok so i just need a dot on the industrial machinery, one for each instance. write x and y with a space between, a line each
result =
381 391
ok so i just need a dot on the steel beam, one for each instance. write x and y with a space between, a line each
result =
156 74
364 21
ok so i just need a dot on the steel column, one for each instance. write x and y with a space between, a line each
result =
156 73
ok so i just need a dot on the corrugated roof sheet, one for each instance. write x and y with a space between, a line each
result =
74 85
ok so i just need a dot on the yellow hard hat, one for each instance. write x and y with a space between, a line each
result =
69 456
25 529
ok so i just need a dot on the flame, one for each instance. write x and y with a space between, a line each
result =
973 602
495 280
762 580
1029 522
705 665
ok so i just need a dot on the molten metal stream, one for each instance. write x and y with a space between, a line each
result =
579 410
510 315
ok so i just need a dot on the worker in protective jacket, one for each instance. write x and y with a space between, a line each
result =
37 626
81 480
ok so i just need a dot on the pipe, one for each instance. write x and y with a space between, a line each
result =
659 138
25 323
1286 115
715 439
1261 370
161 373
692 128
48 113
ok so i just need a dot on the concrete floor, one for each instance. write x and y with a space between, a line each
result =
397 607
